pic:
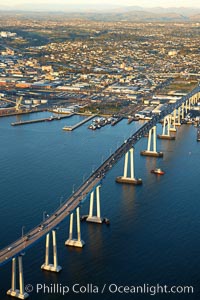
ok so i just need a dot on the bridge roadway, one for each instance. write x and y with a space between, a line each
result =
83 191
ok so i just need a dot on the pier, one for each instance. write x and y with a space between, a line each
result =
52 118
130 120
117 121
71 128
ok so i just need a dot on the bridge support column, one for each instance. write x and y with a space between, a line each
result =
183 111
198 97
75 242
153 152
18 103
179 118
125 178
47 266
189 104
13 291
91 217
194 99
166 133
186 106
173 116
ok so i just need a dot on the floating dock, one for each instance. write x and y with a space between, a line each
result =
151 153
40 120
71 128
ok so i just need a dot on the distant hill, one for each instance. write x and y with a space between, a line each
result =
141 16
126 13
185 11
195 18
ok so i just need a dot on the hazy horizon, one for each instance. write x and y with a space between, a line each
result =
78 5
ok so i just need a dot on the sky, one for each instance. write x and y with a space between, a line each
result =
99 3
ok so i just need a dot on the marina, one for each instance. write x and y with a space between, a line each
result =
100 122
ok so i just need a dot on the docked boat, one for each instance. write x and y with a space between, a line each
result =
92 126
158 171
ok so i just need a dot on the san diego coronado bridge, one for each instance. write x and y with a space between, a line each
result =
91 188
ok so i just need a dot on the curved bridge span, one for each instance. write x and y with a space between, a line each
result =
79 196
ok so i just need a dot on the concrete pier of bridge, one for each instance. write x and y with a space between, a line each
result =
166 129
177 118
47 266
13 291
153 152
194 99
173 121
91 217
186 106
125 178
71 241
182 111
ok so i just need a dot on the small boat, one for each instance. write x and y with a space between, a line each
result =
106 221
158 171
92 126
